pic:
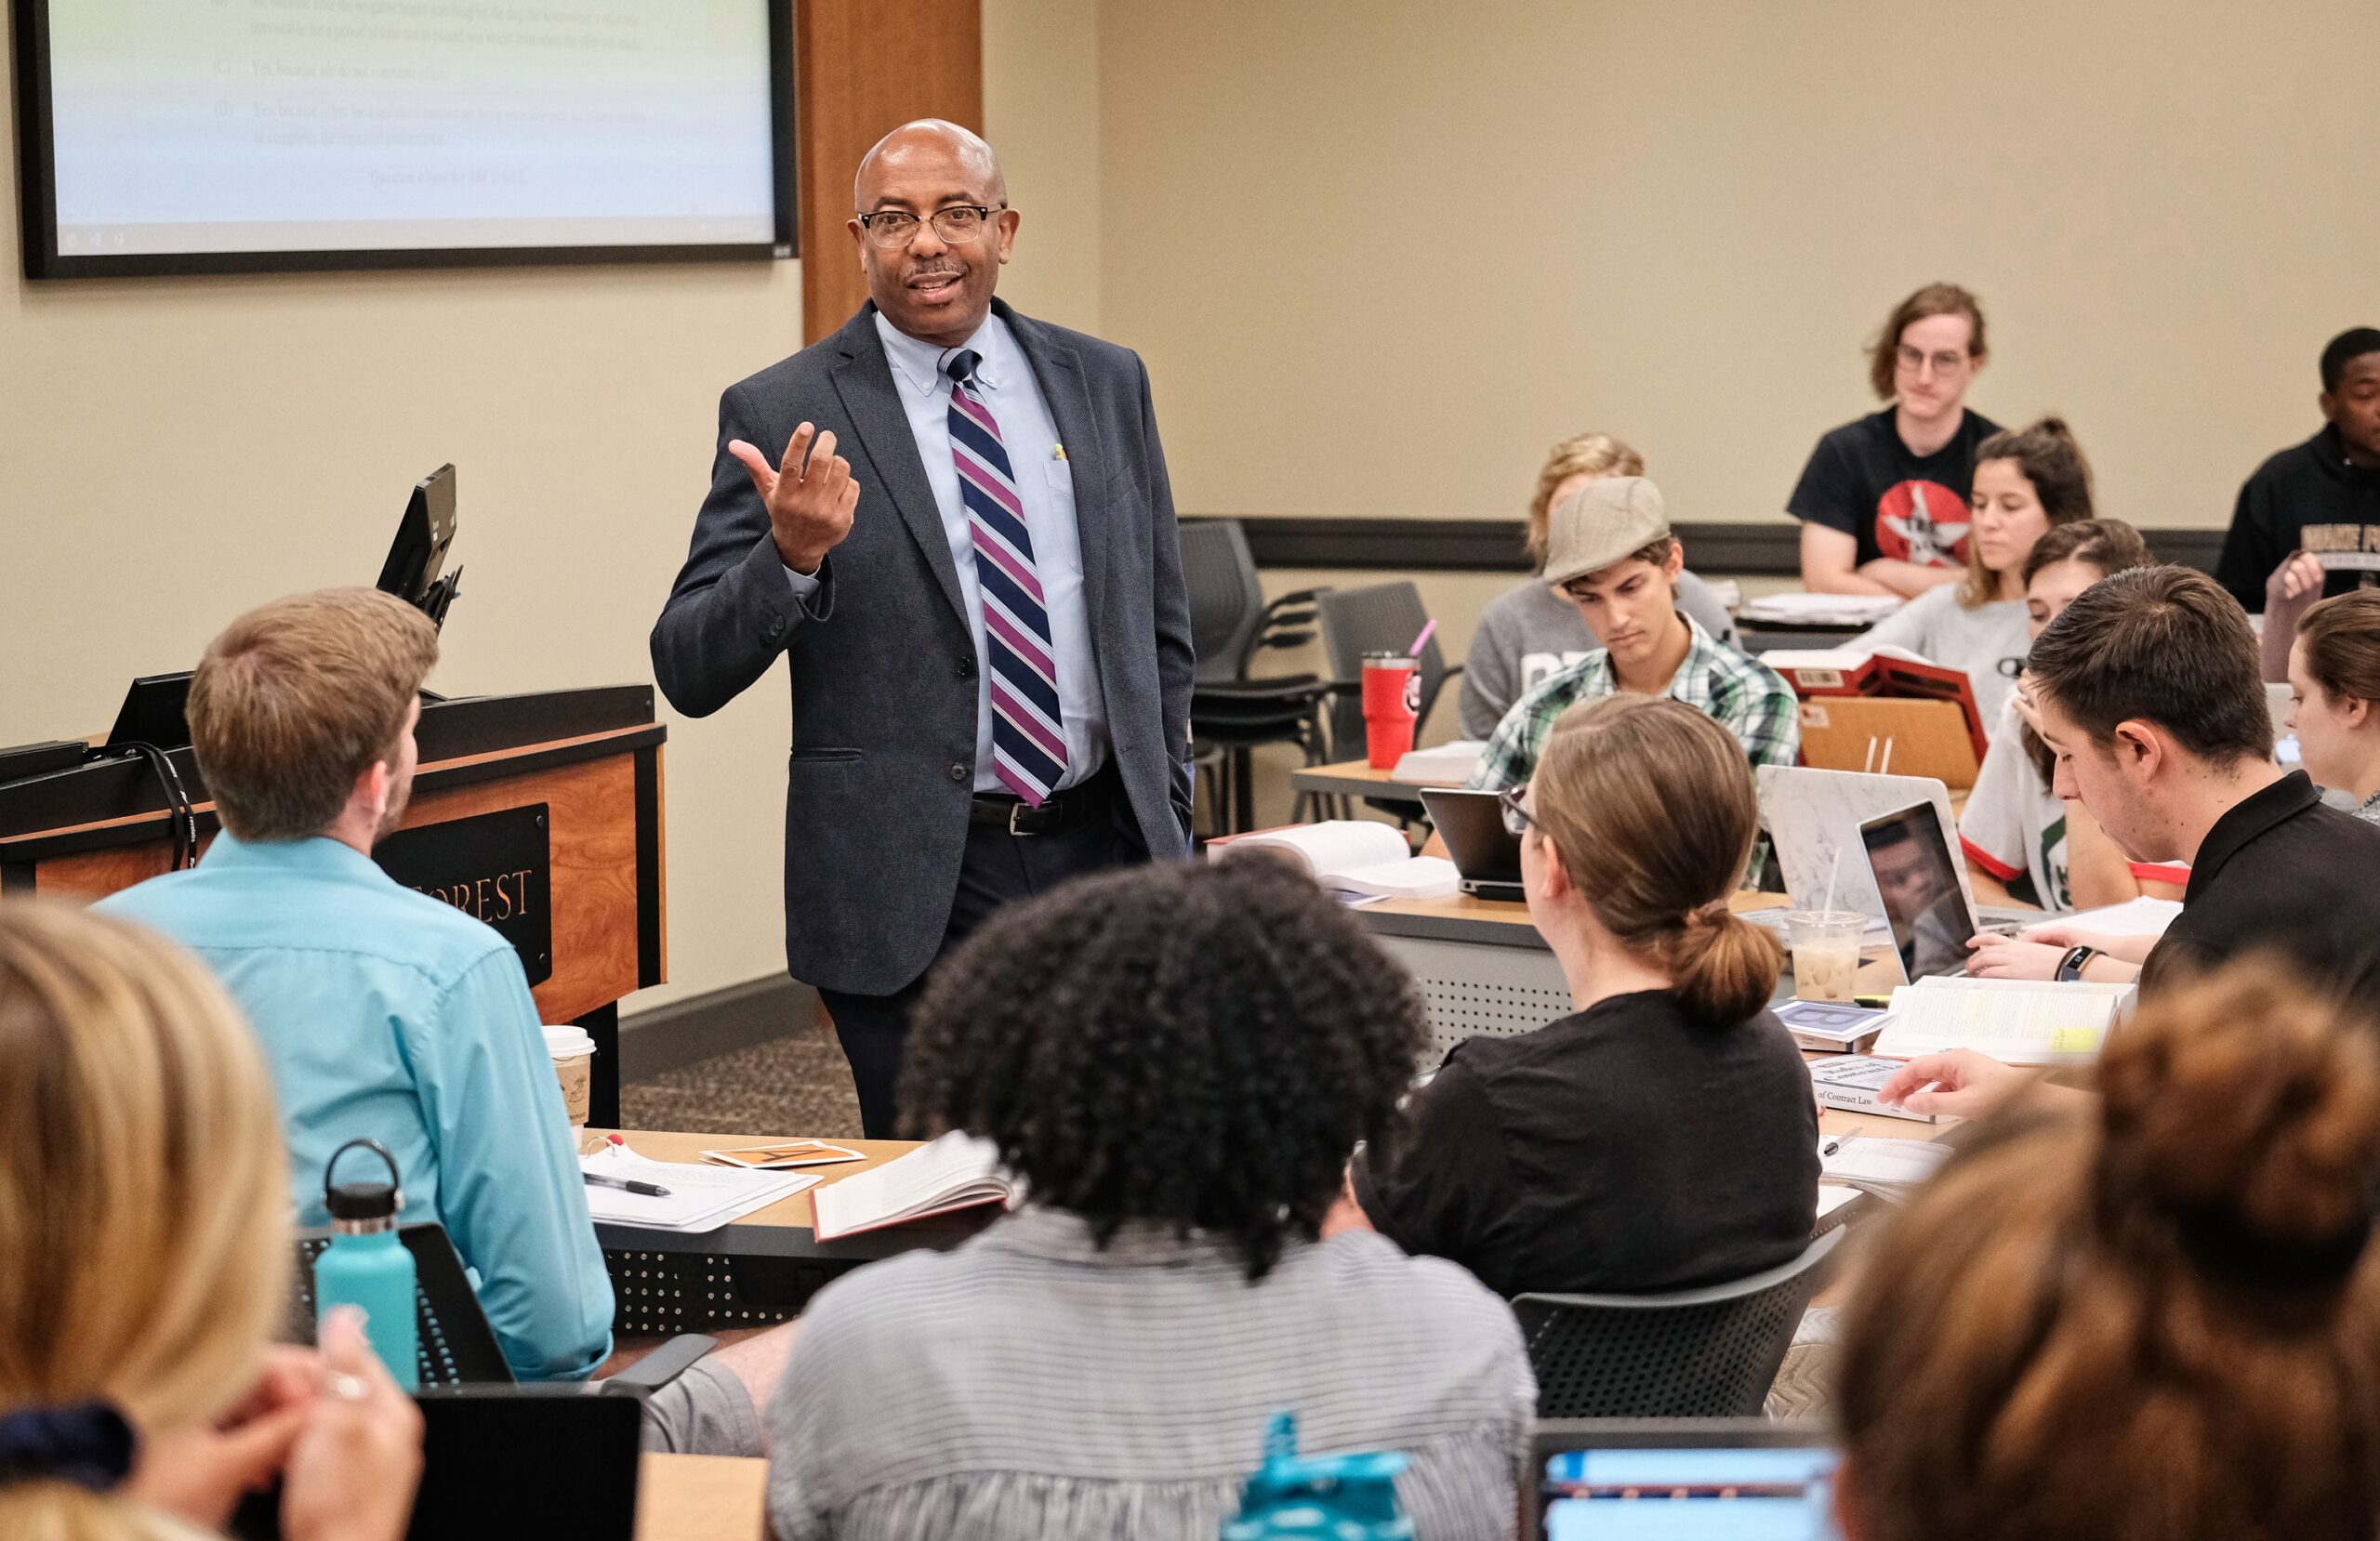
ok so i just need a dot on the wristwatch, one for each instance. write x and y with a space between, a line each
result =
2070 968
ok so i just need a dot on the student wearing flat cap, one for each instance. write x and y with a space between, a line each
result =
1611 554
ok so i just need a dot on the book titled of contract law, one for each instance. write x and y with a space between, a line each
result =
1851 1081
1352 858
958 1171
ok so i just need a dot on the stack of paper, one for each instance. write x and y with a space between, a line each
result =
700 1198
2015 1022
1449 764
1819 609
1880 1164
2133 918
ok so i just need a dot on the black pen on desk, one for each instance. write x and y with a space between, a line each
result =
650 1189
1831 1147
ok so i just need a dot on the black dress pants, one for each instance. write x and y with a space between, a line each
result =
998 867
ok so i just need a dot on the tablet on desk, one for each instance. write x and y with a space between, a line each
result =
512 1460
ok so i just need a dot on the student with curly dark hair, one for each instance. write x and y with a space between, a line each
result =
1664 1135
1178 1061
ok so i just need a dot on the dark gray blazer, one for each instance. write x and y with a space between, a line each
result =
880 659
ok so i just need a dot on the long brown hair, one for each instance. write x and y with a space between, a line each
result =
2157 1323
2341 636
1585 454
1651 805
2049 458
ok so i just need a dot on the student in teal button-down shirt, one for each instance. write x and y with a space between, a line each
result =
382 1012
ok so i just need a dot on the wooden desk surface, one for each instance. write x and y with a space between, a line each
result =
700 1497
793 1212
1355 778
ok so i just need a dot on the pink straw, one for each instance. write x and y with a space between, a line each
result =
1423 640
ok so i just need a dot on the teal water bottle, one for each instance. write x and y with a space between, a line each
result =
367 1264
1294 1497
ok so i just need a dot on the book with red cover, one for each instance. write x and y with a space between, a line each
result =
1887 673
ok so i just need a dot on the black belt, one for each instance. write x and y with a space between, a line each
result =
1058 813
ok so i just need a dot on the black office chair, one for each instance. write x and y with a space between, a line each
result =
1383 618
1694 1354
1230 714
455 1346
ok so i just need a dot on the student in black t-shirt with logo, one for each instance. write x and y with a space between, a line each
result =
1883 500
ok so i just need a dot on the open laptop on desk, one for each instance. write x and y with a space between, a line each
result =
1925 904
1682 1479
1485 852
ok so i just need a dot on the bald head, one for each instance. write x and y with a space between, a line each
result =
928 142
932 227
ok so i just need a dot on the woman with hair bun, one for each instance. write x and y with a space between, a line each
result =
1664 1135
2157 1319
2027 482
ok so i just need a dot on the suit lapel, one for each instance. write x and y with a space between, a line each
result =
873 400
1060 377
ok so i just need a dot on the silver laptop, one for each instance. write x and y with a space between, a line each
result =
1925 905
1484 851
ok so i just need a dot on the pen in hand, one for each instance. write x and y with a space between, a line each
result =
650 1189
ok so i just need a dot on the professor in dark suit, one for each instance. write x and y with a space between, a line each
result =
966 556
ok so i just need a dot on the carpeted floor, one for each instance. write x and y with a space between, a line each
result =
798 1085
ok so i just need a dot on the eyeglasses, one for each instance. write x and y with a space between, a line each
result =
1912 361
959 225
1517 819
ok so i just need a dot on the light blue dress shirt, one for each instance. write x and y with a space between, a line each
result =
1045 485
386 1014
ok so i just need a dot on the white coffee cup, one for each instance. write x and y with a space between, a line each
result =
574 1056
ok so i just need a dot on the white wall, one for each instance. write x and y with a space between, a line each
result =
174 451
1381 253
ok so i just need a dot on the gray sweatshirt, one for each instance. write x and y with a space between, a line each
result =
1529 632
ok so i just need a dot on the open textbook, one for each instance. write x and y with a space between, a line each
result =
1352 857
957 1171
2017 1021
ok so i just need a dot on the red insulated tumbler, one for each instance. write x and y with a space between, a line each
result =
1392 700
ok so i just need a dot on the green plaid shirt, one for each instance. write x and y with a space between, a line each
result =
1745 696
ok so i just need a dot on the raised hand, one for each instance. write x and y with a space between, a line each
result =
810 495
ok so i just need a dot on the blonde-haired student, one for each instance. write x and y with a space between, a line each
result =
144 1257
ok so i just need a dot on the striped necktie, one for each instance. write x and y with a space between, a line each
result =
1028 736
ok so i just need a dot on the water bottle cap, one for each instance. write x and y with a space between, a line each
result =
362 1201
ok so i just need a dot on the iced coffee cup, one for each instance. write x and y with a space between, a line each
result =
1826 953
574 1056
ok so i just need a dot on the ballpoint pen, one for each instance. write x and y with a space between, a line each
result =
650 1189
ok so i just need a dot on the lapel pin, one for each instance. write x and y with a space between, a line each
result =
1057 451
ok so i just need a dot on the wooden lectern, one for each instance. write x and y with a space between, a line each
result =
541 814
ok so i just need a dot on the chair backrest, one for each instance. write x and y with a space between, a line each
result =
1696 1353
1226 600
455 1344
1383 618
